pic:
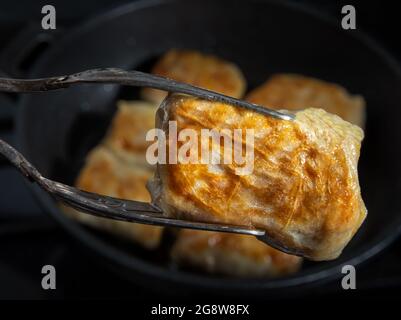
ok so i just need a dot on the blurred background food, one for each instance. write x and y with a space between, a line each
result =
235 255
201 70
297 92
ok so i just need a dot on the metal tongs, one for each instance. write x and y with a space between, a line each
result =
113 208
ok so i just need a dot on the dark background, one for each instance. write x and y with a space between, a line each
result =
29 238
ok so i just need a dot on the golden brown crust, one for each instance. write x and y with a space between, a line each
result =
304 188
231 254
202 70
103 173
296 92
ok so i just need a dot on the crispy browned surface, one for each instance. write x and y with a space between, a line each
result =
296 92
127 133
304 188
202 70
232 254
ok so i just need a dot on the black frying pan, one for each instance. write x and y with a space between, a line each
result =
56 129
